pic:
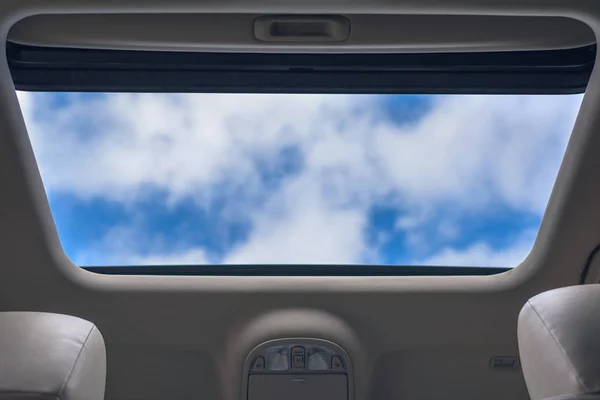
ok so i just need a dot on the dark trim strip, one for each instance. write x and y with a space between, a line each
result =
295 270
532 72
588 264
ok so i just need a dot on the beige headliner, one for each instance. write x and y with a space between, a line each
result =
185 337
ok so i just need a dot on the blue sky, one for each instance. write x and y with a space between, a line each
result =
137 179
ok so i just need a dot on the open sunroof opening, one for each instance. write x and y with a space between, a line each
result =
323 179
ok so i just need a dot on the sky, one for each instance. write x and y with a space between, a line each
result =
451 180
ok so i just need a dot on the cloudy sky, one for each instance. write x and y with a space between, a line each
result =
136 179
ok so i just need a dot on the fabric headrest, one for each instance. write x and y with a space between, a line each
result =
559 342
50 356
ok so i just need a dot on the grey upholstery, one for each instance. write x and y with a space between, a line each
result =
50 356
559 343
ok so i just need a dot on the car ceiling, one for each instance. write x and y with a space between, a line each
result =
187 336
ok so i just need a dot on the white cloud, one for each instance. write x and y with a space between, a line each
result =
471 148
471 151
127 245
306 229
482 254
185 257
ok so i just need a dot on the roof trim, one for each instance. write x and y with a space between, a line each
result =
52 69
297 270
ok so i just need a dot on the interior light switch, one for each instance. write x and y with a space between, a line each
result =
298 357
298 361
259 364
336 364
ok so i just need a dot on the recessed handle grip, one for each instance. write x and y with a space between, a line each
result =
301 28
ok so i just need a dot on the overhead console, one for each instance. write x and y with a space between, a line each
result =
298 369
294 354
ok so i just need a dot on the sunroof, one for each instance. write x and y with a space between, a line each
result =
333 179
